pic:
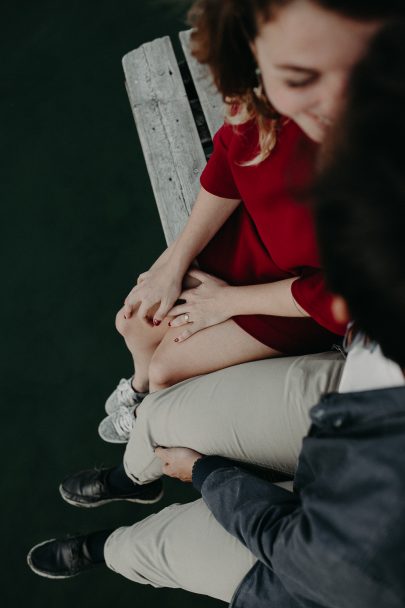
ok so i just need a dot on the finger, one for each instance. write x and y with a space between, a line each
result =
177 310
161 313
188 294
198 274
133 294
130 303
182 319
161 453
186 334
143 313
127 310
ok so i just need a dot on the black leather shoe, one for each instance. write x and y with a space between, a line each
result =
60 558
90 489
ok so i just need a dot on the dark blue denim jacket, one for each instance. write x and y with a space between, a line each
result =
339 540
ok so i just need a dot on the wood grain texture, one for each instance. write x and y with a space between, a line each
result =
210 99
167 131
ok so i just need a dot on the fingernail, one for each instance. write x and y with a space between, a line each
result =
156 322
176 339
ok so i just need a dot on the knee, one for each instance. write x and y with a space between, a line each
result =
163 371
120 322
124 326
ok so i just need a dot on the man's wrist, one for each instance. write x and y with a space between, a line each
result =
204 466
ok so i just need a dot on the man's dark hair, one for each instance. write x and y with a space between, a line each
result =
360 207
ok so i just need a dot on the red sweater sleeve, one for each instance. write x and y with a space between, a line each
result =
310 293
217 176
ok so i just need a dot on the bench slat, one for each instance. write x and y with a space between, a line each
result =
167 131
210 99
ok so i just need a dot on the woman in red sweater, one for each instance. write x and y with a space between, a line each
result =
259 292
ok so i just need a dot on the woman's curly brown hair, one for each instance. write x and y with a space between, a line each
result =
222 34
223 31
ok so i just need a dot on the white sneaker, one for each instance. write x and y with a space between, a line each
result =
117 427
124 395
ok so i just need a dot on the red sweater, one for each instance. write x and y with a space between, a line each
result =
271 235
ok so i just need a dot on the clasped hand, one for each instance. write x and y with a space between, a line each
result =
204 306
155 288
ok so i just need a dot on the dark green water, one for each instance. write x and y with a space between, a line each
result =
78 225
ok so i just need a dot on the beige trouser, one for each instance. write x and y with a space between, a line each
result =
184 547
255 412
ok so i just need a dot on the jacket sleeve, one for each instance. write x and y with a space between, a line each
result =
310 292
317 544
280 528
253 510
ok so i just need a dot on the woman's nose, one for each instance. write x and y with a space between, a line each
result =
333 97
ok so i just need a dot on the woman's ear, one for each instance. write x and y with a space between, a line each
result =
340 310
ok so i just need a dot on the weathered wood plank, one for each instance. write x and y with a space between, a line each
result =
210 99
167 131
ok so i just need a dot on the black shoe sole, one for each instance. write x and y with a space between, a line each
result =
41 572
99 503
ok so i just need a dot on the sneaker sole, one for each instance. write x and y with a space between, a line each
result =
110 439
141 501
41 572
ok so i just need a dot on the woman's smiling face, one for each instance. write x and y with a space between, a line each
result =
305 54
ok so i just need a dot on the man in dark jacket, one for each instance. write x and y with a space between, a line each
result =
338 540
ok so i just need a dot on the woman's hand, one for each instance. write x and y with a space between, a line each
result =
205 305
159 286
178 462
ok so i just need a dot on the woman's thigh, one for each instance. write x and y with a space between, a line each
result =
184 547
257 412
206 351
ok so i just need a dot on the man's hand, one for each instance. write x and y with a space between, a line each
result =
178 462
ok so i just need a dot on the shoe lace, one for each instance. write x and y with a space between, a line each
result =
125 392
123 420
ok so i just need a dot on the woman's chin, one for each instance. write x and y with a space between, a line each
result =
312 128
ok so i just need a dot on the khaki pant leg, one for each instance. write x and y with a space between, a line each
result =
255 412
184 547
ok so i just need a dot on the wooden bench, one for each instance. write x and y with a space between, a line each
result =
177 110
